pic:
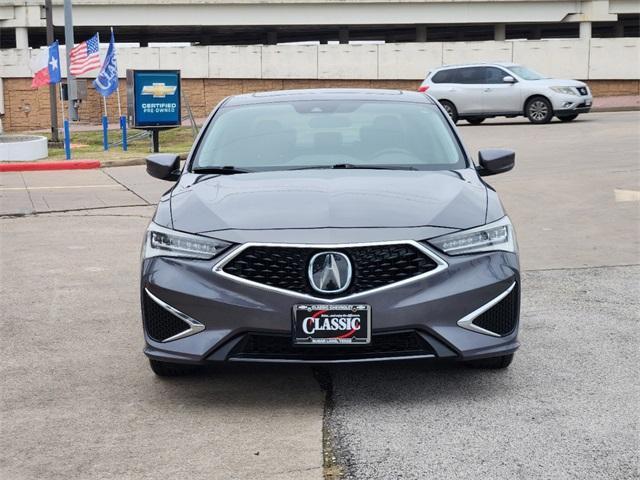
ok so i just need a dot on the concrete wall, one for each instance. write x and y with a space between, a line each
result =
611 58
610 66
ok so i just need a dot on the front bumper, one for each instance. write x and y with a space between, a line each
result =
571 104
431 308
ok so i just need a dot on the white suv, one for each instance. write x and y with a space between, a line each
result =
479 91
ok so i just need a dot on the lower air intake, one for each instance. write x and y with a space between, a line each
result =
158 322
275 346
502 318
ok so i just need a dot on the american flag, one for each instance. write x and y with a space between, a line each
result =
85 56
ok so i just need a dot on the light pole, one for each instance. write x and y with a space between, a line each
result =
72 91
53 96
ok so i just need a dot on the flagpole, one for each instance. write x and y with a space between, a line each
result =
65 124
105 126
118 94
123 120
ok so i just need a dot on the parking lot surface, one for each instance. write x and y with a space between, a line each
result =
78 399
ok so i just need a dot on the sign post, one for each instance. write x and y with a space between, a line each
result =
153 101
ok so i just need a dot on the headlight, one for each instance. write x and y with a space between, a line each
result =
564 90
496 236
164 242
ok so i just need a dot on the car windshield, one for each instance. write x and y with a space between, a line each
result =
326 133
526 73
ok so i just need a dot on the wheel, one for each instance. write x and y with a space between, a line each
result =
450 108
567 118
166 369
539 110
476 120
493 363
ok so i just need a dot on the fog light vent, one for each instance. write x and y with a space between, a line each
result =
159 323
502 317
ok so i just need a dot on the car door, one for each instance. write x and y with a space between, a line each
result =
470 85
499 96
444 86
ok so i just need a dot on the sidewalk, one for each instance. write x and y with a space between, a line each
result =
619 103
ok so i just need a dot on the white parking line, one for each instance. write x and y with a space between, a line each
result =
59 187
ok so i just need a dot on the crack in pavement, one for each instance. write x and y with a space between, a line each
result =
588 267
69 210
125 186
332 469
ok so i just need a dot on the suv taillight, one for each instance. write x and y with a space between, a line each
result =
423 88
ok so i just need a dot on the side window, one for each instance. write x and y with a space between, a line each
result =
471 75
443 76
493 75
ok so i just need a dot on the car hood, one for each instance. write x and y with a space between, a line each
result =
558 82
347 198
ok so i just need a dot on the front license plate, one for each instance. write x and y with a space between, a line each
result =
331 324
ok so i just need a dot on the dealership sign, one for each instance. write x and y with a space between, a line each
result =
153 98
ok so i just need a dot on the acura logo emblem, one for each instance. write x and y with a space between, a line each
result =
330 272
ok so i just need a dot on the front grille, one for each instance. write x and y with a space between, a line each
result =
374 266
502 317
158 322
582 90
280 346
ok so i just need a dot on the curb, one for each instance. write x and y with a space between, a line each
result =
62 165
132 161
623 108
124 163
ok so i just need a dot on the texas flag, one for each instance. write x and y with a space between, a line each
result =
46 66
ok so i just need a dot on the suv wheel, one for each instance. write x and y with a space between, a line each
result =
539 110
475 120
494 363
166 369
450 108
567 118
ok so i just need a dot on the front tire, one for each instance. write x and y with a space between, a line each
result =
567 118
450 108
166 369
475 120
539 110
493 363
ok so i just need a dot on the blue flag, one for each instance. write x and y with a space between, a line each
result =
107 80
54 63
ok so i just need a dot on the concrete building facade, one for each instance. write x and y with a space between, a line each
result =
245 22
236 46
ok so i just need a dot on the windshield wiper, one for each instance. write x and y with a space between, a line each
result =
345 166
226 170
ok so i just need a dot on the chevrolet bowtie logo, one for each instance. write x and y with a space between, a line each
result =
158 90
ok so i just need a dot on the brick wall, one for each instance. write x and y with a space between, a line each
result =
612 88
28 109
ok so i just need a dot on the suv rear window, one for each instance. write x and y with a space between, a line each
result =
444 76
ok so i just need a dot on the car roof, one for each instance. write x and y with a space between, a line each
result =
479 64
329 94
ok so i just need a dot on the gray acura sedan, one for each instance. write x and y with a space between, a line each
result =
324 226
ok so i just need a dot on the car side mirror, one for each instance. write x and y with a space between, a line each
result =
495 160
508 79
165 166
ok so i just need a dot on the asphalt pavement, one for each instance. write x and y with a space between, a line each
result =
79 402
